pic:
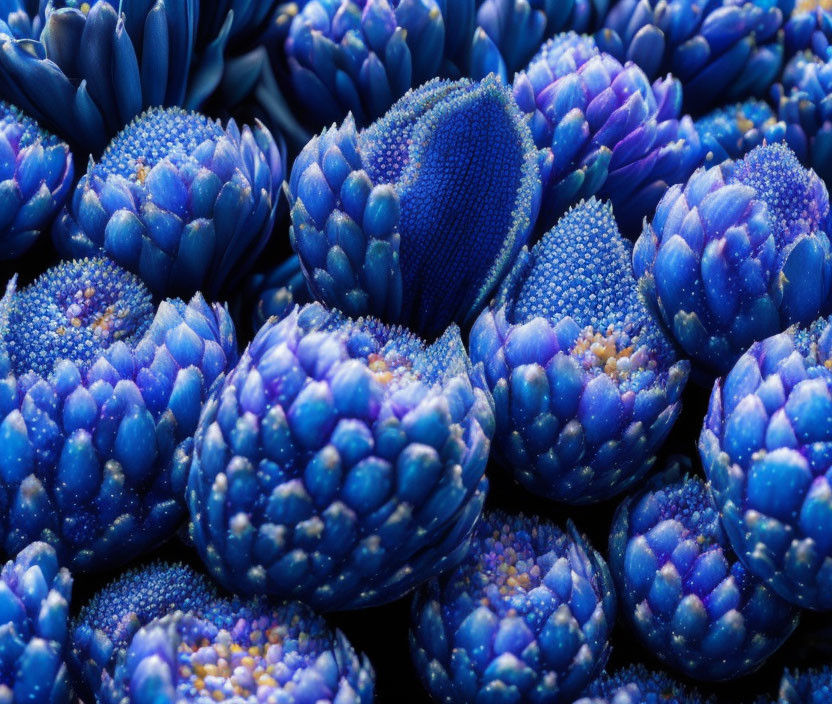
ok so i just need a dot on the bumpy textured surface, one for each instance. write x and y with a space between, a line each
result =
733 131
509 32
179 200
106 625
721 50
764 448
93 445
84 71
276 292
525 618
638 685
603 130
34 602
36 172
807 687
341 462
683 591
255 653
585 385
416 219
805 107
738 253
360 56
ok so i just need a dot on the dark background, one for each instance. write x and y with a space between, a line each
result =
382 632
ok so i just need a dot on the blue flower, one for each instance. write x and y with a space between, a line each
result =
106 625
764 449
721 50
34 602
178 200
276 292
809 26
36 173
417 218
525 618
509 32
804 105
585 385
257 652
99 399
340 463
85 69
361 56
683 591
812 686
733 131
738 253
603 130
638 685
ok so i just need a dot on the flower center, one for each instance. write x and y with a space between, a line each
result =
245 663
811 6
75 311
157 134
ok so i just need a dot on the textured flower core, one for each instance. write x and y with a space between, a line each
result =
21 131
581 269
796 201
245 663
244 655
424 146
688 504
397 357
811 5
73 312
173 134
515 556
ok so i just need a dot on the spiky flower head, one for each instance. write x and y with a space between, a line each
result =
738 253
34 601
682 589
36 172
254 653
809 26
721 50
733 131
415 219
812 686
84 70
603 130
361 56
100 397
804 106
179 200
636 684
75 312
509 32
106 625
585 385
762 446
341 462
275 293
528 614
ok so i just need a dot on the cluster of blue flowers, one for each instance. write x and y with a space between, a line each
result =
316 306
